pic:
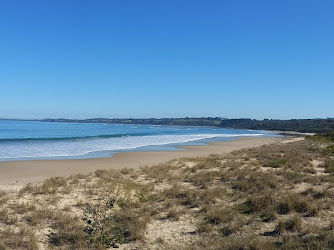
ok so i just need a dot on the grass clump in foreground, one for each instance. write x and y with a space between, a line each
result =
107 229
279 196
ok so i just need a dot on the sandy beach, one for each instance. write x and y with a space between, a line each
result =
15 174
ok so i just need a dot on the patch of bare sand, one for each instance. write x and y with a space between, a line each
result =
173 233
294 139
318 167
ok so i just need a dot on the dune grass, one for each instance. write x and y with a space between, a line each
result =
278 196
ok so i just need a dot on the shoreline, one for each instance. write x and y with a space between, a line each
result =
15 174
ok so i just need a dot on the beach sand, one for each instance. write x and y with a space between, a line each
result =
15 174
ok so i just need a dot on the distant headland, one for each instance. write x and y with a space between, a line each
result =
315 125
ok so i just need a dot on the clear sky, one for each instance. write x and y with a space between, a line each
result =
166 58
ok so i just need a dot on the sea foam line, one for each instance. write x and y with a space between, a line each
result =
80 148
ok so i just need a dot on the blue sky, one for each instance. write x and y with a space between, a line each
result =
159 58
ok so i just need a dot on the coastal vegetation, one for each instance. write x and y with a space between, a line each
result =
278 196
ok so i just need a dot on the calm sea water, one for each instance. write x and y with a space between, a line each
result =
21 140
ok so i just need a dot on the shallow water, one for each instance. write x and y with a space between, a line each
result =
20 140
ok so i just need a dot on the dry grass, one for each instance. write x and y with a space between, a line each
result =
280 196
21 238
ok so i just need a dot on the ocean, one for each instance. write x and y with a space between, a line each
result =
23 140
